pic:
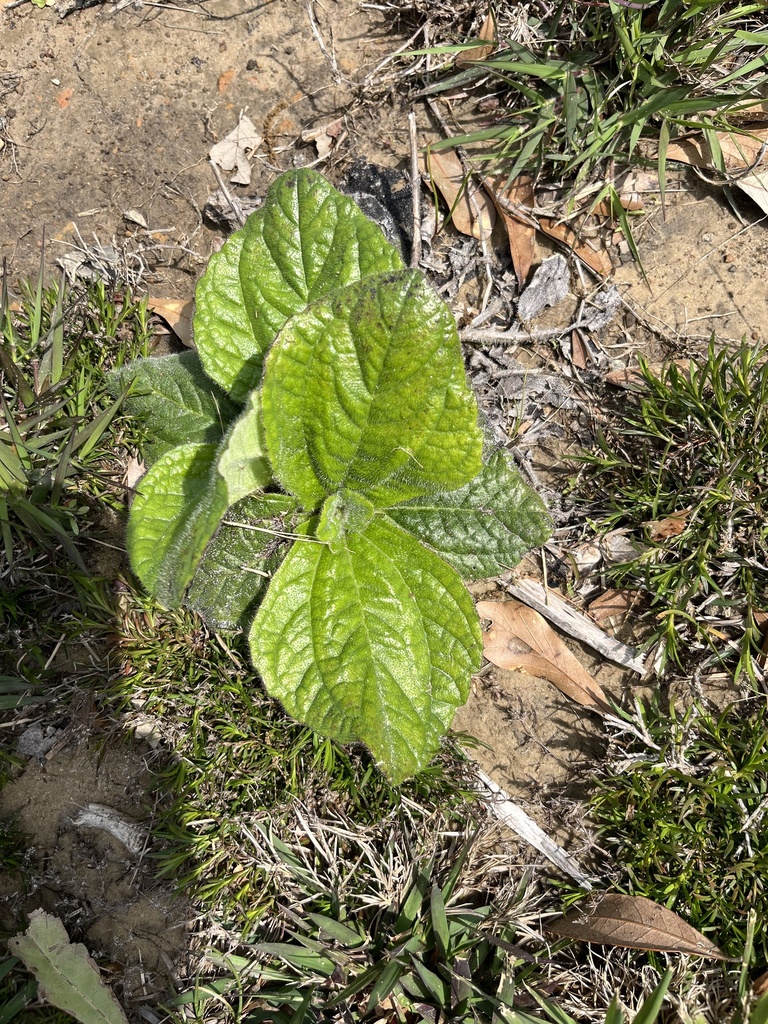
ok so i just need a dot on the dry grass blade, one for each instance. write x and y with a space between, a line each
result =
520 638
617 919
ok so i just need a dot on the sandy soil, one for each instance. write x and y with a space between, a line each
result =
113 109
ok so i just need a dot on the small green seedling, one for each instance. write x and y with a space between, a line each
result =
319 477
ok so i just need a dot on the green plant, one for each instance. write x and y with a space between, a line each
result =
361 445
238 761
431 954
436 953
683 471
55 411
585 84
681 808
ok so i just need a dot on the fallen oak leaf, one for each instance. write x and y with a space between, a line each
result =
635 922
520 638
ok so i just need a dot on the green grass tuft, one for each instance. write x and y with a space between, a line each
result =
682 810
582 85
693 443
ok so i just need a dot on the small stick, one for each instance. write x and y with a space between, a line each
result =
234 204
415 192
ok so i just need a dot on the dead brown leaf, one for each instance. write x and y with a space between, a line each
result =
596 258
613 606
615 919
521 232
225 80
485 49
580 356
472 211
671 526
740 151
520 638
178 314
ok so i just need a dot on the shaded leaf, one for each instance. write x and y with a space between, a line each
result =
482 527
66 975
238 563
472 211
181 500
519 638
616 919
366 390
173 393
173 516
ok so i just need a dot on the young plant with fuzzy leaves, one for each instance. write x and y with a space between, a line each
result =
319 479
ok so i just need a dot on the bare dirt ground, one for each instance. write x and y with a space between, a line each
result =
112 111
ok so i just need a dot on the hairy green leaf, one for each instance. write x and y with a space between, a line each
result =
480 528
172 498
305 242
373 643
173 393
366 391
234 572
224 337
242 461
181 501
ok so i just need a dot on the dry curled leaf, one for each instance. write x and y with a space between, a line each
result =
178 314
234 151
485 48
740 151
520 638
472 211
616 919
671 526
521 232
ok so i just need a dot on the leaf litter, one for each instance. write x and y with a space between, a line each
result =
617 919
520 639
